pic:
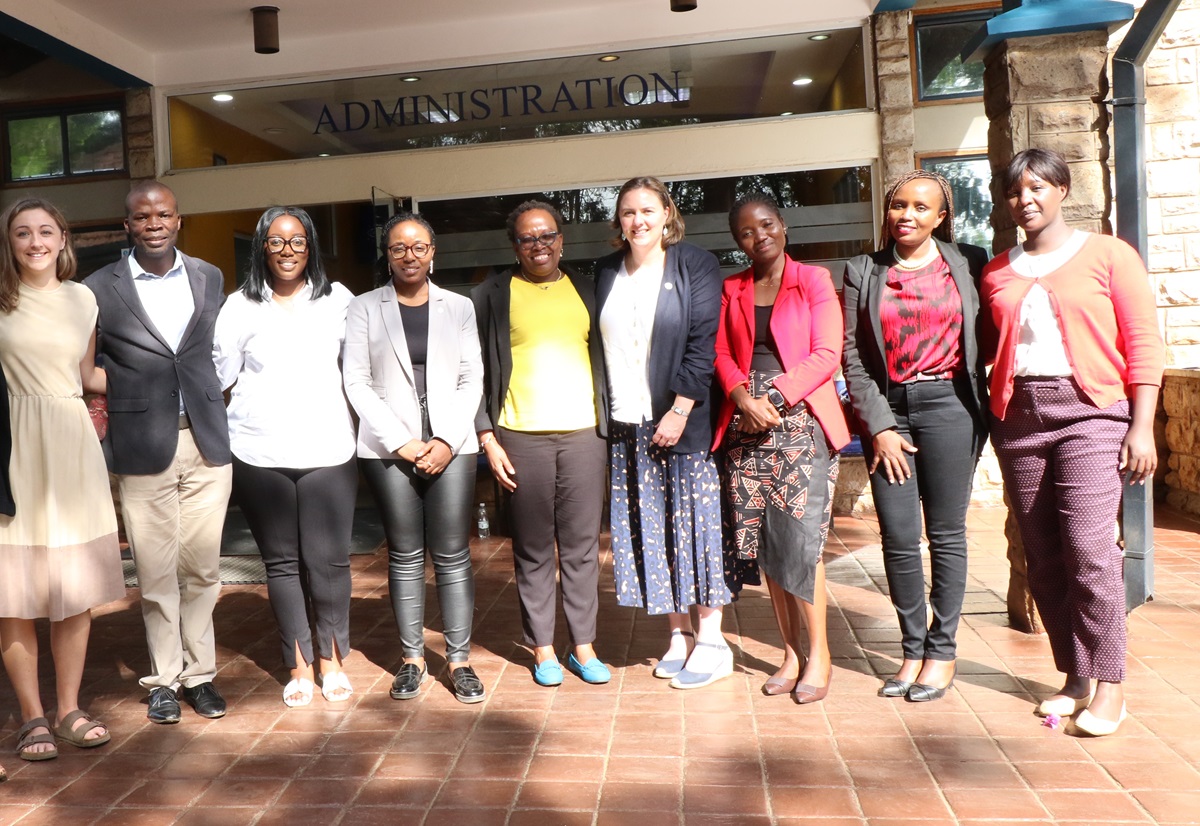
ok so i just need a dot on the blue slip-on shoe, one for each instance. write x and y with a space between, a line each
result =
696 679
548 673
593 671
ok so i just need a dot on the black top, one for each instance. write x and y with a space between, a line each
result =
416 333
765 356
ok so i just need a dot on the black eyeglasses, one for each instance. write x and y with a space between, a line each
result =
275 244
419 250
546 239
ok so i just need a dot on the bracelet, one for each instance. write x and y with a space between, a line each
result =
679 411
486 440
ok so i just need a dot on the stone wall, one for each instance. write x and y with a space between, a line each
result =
1173 255
1181 402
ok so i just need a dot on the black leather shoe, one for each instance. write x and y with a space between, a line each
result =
921 693
164 707
468 688
207 701
408 681
894 688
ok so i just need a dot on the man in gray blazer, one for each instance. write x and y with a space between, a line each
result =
169 443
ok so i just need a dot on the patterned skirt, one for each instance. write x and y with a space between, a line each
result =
780 489
669 550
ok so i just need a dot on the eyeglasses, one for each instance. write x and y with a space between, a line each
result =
547 239
275 244
419 250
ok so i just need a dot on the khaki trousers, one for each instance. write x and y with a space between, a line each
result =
174 521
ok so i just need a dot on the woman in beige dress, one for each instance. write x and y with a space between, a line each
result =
58 555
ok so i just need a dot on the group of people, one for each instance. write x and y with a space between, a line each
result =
709 401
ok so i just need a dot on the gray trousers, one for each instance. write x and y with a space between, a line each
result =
558 501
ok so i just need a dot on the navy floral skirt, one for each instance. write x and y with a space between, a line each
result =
669 547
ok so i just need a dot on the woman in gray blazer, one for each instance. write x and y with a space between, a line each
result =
414 375
915 370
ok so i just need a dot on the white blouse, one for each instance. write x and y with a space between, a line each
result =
1040 349
288 408
626 323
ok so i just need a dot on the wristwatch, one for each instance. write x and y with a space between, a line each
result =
777 400
679 411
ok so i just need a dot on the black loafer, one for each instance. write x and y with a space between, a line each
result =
468 688
894 688
408 681
206 700
164 707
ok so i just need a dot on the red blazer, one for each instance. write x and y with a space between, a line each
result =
807 326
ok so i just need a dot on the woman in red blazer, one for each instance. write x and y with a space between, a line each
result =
779 343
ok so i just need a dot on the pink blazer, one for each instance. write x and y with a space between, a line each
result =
807 326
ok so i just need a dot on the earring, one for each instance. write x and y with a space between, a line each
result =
664 230
622 236
431 268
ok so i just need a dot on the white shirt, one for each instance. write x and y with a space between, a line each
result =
1040 349
168 301
626 323
167 298
288 409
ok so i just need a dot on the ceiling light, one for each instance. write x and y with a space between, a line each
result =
683 5
802 81
223 97
818 37
609 58
323 155
409 79
785 114
266 29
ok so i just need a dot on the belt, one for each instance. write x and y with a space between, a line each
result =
919 377
184 422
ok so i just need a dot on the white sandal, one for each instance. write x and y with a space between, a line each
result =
301 686
335 687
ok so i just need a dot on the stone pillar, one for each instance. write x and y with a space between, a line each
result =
893 68
139 133
1046 92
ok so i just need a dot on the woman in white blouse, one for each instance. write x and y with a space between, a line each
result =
279 342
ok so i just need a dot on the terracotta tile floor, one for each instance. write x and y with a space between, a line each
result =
634 751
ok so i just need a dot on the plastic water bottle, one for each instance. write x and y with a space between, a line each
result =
482 526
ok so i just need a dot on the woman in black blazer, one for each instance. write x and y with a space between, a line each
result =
915 371
659 300
537 426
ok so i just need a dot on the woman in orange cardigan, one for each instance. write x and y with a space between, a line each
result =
1073 394
779 343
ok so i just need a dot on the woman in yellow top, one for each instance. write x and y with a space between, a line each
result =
537 426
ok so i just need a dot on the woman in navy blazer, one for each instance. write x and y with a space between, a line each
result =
915 370
778 346
658 301
413 373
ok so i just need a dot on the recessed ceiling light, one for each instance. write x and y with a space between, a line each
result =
609 58
785 114
323 155
274 130
409 79
818 37
802 81
223 97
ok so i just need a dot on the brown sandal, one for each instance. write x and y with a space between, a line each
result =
25 739
66 730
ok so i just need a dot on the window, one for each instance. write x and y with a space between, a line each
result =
939 39
63 144
970 177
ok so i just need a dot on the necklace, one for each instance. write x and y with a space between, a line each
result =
541 285
910 264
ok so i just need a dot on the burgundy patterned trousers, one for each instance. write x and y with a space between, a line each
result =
1058 453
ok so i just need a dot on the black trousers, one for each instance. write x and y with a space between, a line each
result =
935 417
428 513
302 520
558 501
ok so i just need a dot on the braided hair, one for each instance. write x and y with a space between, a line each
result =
945 230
